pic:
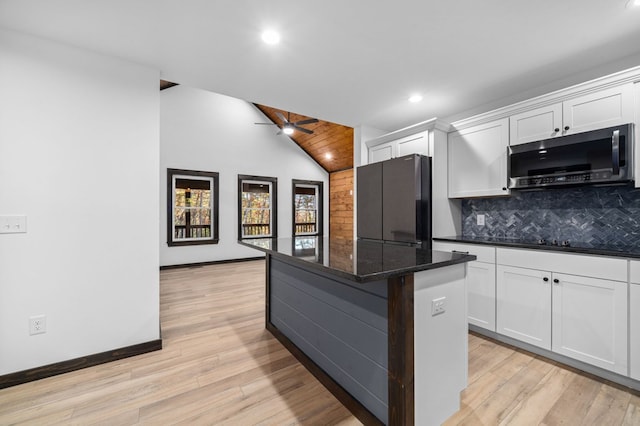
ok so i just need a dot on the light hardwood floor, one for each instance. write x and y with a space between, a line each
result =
219 366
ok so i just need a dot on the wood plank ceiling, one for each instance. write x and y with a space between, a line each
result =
330 145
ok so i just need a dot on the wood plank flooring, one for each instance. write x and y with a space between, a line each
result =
219 366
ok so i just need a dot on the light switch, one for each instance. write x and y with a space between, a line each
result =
13 224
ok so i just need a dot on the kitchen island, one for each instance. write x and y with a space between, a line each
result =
382 326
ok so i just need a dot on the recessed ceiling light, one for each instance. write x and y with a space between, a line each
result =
415 98
328 156
271 37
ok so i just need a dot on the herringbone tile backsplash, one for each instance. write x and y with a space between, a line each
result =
606 215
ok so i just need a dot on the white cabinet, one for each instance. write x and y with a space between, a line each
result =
590 320
605 108
413 144
634 319
481 294
545 299
480 281
477 160
381 152
524 305
634 331
540 123
382 149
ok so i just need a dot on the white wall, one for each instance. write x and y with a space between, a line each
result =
79 155
201 130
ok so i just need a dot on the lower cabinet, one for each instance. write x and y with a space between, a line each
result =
579 306
590 321
481 294
634 319
480 282
584 318
524 305
634 332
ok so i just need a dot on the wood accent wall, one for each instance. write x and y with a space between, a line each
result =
341 204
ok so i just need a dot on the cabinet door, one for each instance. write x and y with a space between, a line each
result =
590 321
535 125
414 144
477 160
481 294
381 152
634 332
597 110
523 308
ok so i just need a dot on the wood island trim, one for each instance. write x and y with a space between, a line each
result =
401 350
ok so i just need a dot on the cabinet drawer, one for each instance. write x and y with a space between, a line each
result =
483 253
575 264
634 271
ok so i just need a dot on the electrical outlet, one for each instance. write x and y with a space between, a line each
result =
480 220
37 324
438 306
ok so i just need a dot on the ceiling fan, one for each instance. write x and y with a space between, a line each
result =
288 126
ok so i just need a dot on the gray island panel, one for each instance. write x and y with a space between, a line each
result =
340 327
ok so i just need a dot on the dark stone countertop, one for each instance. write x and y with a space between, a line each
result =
360 260
576 246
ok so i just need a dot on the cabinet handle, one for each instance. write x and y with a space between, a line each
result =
566 128
556 281
459 252
615 152
545 279
504 188
557 129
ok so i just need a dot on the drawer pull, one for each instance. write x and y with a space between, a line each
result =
459 252
545 279
556 281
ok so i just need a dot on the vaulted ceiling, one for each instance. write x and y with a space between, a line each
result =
330 145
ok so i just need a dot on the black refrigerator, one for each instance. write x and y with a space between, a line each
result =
394 200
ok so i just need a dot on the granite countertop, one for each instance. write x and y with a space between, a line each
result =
360 260
576 246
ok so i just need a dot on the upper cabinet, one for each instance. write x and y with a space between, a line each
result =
382 152
477 160
596 110
416 139
417 143
540 123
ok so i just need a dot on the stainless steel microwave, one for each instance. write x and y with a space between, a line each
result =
603 156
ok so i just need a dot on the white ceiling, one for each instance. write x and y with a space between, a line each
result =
354 62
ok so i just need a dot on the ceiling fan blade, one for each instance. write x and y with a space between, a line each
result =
279 132
268 124
303 130
281 117
308 121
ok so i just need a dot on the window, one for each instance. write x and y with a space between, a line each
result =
307 207
257 206
192 207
